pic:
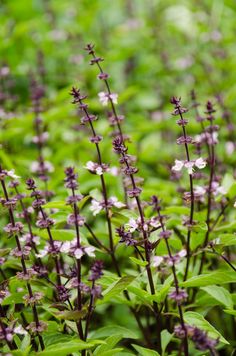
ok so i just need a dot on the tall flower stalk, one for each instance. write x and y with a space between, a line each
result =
44 222
185 140
120 148
14 229
100 168
179 295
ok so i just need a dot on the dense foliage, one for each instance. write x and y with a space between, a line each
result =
117 179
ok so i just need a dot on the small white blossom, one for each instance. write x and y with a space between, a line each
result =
199 190
132 225
157 260
66 247
178 165
229 147
36 167
96 168
114 171
104 98
89 250
189 165
95 206
19 330
12 174
78 253
114 201
217 188
200 163
182 253
154 221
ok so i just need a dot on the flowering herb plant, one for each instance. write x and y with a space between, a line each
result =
110 244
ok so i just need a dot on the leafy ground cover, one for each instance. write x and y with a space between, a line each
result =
117 172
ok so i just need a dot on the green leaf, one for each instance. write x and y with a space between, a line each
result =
4 251
112 352
195 319
221 294
228 181
179 210
138 262
165 339
210 279
114 330
143 295
110 342
142 351
57 205
58 234
231 311
65 348
73 315
117 287
14 298
226 239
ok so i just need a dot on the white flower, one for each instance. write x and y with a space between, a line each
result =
200 163
114 201
114 171
178 165
19 330
131 225
199 190
157 260
36 167
235 205
221 190
12 174
114 98
42 253
104 98
95 206
189 165
66 247
217 188
182 253
90 165
96 168
229 147
78 253
215 138
90 251
154 221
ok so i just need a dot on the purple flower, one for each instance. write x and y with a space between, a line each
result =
178 296
45 223
63 293
96 271
13 229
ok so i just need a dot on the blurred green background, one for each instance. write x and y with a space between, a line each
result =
152 50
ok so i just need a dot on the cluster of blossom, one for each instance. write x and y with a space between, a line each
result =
167 260
8 332
126 160
4 173
178 295
206 138
200 338
97 206
136 224
96 168
104 98
189 165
